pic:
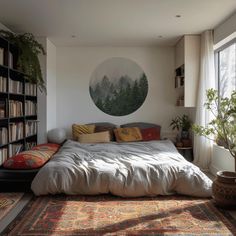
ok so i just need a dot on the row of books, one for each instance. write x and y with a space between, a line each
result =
30 89
3 155
30 108
15 148
15 86
30 145
3 84
15 108
3 135
30 127
16 131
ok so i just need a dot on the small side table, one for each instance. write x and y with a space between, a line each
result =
186 152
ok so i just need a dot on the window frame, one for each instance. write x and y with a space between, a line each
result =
216 57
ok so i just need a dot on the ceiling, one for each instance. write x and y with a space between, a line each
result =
114 22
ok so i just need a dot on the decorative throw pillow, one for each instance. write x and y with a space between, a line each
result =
150 134
32 159
101 137
47 147
81 129
110 129
128 134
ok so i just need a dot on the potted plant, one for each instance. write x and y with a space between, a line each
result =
28 50
223 127
184 124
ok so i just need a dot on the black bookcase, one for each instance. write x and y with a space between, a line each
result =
18 105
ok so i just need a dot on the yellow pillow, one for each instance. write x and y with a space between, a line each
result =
81 129
101 137
130 134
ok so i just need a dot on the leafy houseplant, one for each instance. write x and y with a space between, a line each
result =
28 50
223 125
183 123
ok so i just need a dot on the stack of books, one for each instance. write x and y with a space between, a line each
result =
15 108
3 155
15 149
3 84
30 127
30 108
30 89
16 131
15 86
3 108
3 135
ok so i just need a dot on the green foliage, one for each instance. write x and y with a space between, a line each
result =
120 97
183 123
223 125
27 60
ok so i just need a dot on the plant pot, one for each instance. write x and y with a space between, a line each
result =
224 189
184 134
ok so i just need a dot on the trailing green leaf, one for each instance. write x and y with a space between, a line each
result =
27 60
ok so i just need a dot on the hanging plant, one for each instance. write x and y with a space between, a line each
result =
27 58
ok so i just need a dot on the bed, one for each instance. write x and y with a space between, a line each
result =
131 169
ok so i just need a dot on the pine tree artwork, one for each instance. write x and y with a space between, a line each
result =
118 86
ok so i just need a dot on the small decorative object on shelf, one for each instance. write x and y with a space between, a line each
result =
223 126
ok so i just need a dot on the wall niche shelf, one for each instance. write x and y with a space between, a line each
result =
187 57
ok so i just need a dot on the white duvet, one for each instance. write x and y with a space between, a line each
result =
123 169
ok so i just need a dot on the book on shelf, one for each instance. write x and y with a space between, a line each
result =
15 108
30 89
3 109
3 84
15 86
30 108
16 131
10 60
15 148
3 136
30 145
1 56
31 127
3 155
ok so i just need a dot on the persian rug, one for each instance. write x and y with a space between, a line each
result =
7 202
110 215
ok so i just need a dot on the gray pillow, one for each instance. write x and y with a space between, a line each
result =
107 124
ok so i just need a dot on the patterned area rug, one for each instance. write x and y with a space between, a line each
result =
109 215
7 202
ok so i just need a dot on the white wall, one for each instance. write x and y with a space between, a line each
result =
51 86
47 101
225 29
222 160
75 66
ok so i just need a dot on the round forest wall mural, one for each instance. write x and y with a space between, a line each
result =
118 86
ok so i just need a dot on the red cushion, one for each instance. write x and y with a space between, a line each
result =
32 159
47 146
150 134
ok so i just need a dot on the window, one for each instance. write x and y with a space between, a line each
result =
226 68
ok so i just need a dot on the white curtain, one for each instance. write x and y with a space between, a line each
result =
203 146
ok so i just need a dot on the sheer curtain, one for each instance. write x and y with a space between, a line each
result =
203 146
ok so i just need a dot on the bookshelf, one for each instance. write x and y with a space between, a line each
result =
18 106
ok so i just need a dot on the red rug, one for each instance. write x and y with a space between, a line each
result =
108 215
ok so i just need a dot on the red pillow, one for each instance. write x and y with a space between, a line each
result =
32 159
47 146
149 134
